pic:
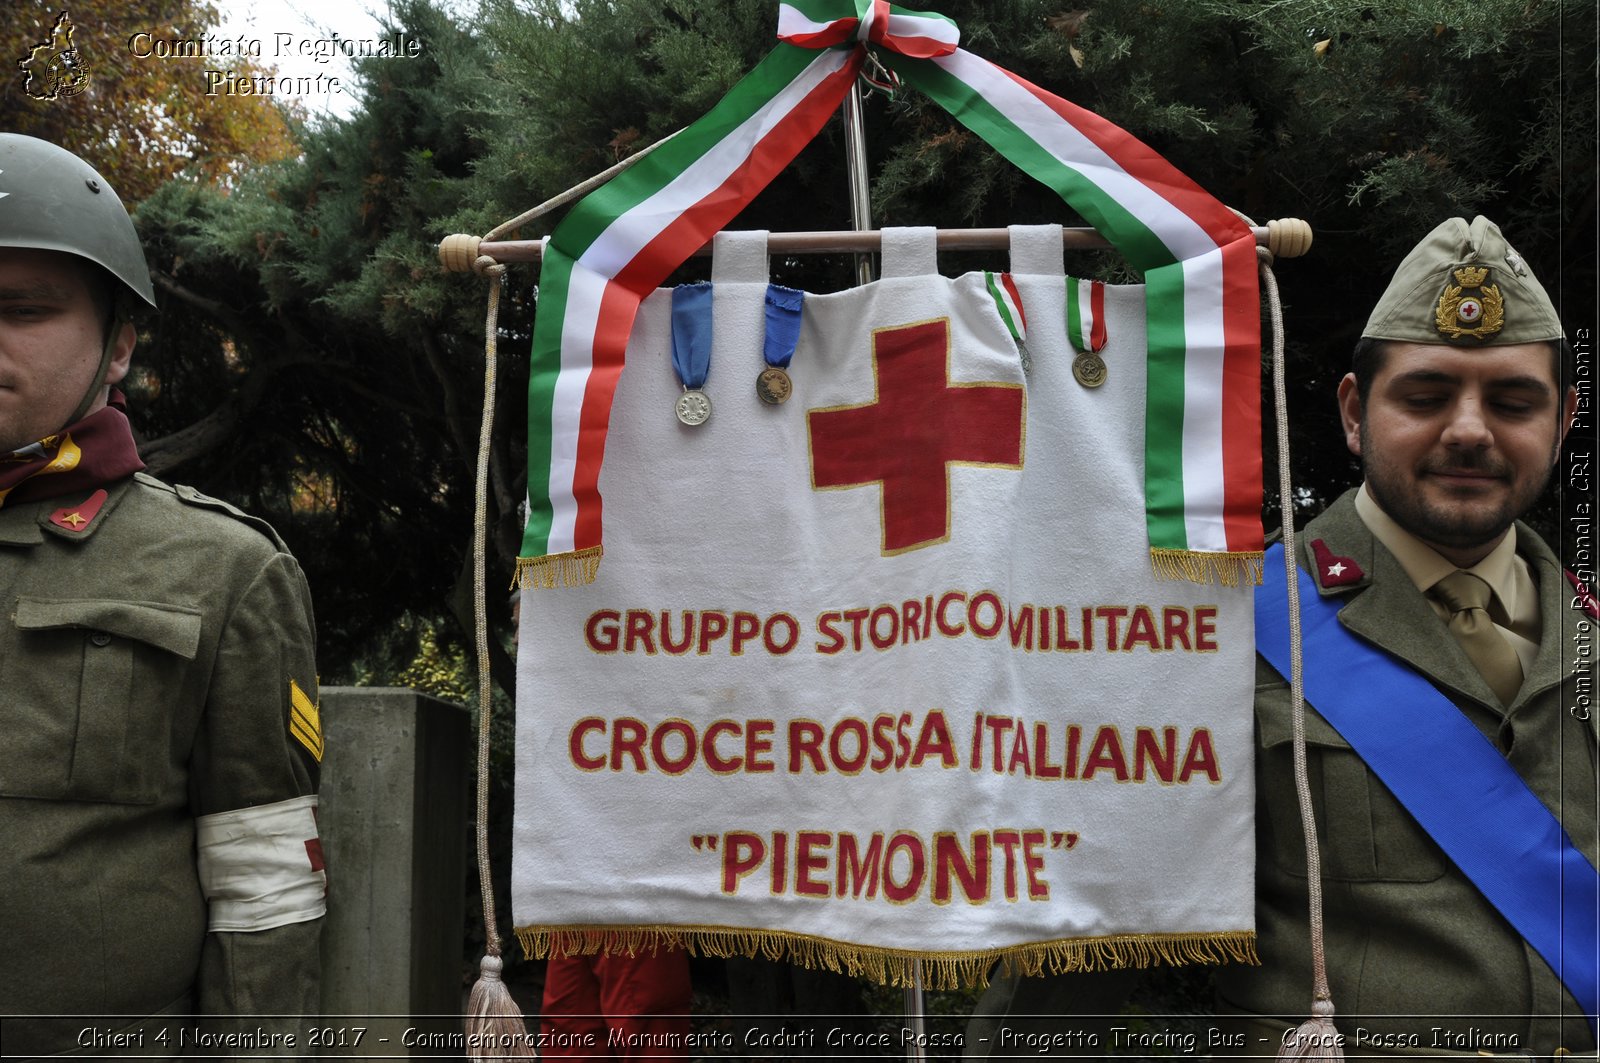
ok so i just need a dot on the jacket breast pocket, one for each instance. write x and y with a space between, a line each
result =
1363 833
86 698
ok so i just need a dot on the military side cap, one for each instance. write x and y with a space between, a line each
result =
1464 284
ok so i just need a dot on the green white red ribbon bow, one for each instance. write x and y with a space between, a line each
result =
1202 448
918 34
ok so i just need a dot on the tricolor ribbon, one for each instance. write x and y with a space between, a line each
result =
1003 290
1202 448
1086 314
1008 304
819 24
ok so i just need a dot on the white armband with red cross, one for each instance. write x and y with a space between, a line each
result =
262 867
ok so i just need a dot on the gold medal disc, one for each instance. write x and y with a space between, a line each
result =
1089 369
773 386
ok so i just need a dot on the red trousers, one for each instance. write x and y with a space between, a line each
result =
629 1006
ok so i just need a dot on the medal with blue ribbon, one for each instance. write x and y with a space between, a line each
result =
783 312
691 349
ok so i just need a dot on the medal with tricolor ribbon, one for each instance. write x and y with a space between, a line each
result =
1009 304
1086 330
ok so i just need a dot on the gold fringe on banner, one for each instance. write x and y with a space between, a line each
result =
575 568
1197 566
894 967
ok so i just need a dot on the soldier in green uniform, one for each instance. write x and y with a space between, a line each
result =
157 684
1457 406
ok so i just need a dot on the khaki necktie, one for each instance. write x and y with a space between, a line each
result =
1467 598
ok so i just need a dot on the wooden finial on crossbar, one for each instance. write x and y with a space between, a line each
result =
458 251
1288 237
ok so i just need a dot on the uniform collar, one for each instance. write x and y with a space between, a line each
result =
76 517
1505 573
1390 612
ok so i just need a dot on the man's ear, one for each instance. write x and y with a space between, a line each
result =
121 352
1350 412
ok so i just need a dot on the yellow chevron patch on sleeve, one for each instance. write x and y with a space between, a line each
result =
305 721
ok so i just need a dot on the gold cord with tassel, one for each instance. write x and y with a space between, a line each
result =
1317 1038
494 1023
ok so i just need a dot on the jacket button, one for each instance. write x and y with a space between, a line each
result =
100 638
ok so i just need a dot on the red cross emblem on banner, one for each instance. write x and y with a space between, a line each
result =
918 424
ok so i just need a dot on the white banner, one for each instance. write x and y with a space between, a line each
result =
883 670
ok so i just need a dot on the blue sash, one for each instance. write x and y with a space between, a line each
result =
1449 777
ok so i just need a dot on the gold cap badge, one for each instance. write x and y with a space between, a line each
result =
1469 307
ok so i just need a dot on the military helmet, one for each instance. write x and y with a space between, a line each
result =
52 200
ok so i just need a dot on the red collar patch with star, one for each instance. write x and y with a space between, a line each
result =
1333 570
77 518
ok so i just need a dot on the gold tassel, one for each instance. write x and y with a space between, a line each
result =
495 1028
1196 566
1316 1038
940 970
575 568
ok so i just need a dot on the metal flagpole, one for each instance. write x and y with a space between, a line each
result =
855 154
855 157
913 1010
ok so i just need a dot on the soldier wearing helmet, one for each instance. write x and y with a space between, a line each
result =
158 782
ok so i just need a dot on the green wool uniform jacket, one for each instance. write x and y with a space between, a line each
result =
146 656
1408 939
